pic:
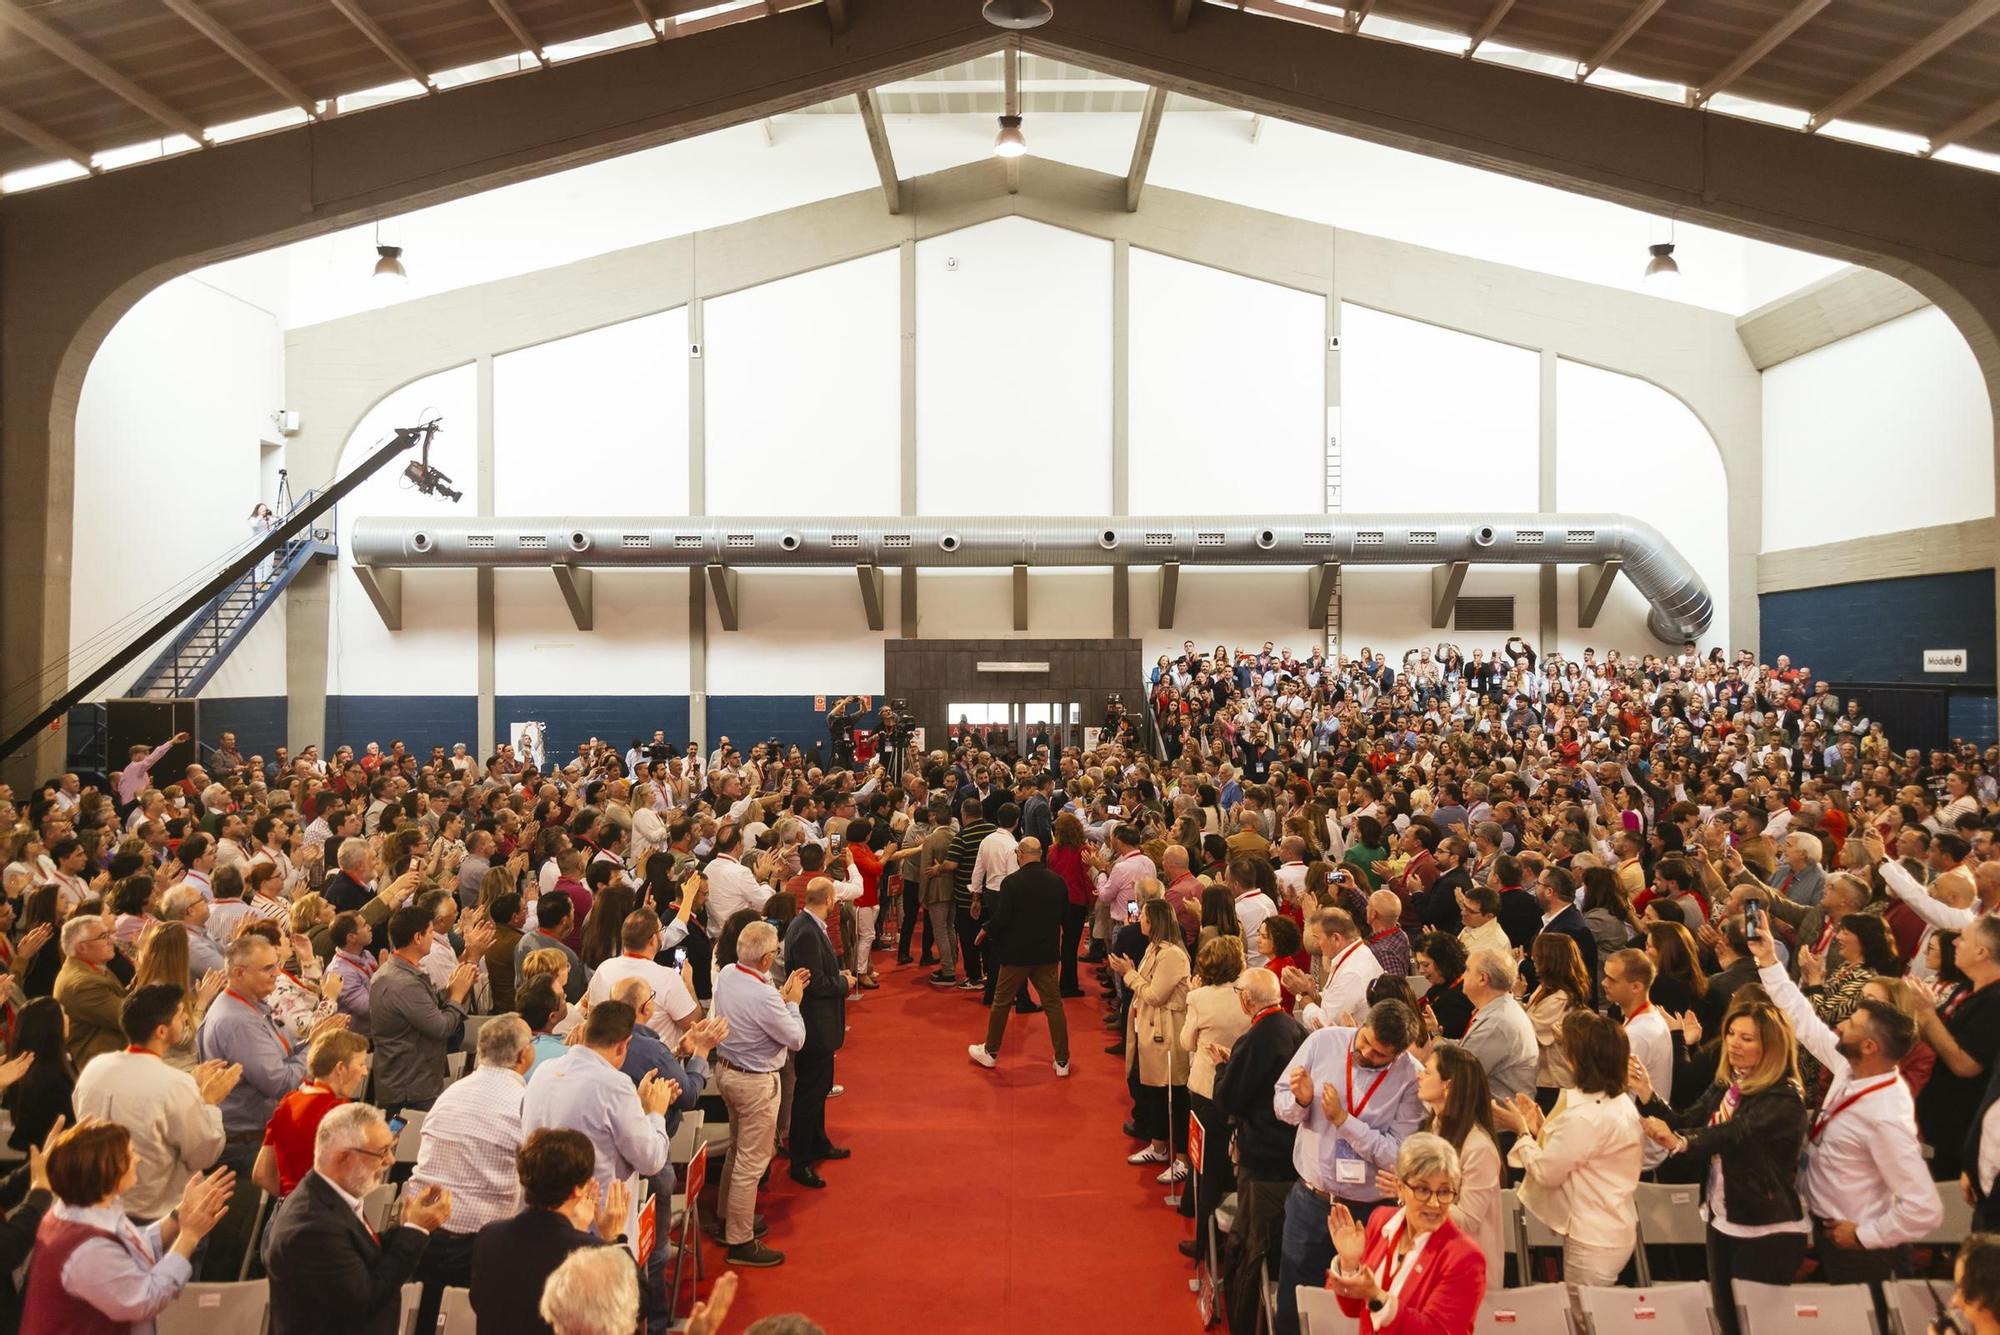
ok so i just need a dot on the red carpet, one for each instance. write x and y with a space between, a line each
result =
976 1201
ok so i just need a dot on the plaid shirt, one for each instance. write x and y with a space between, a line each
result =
468 1143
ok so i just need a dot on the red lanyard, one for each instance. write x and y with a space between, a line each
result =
1334 972
276 1028
762 978
1380 1076
1819 1126
1637 1013
1393 1264
1268 1010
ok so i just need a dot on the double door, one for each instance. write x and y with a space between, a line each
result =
1019 727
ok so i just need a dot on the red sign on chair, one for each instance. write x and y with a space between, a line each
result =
649 1228
1196 1142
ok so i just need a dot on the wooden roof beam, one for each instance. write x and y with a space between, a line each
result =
520 30
52 144
204 23
1487 25
1357 14
1972 16
836 15
1773 36
369 28
878 145
1964 129
1616 43
80 60
646 16
1142 148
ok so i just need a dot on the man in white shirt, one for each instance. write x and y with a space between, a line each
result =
1291 865
1350 967
1479 907
175 1118
467 1144
731 885
1252 907
1501 1035
1865 1182
998 858
442 959
674 1006
1628 985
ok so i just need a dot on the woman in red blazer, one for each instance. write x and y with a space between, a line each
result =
1411 1271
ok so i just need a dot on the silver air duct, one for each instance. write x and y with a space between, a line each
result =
1681 604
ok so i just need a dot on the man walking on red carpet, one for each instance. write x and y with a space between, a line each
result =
1024 935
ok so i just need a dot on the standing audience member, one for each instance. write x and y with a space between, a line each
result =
764 1025
1459 1107
1411 1269
1501 1035
1155 1062
413 1024
89 993
823 1011
1027 930
337 1063
566 1211
1264 1138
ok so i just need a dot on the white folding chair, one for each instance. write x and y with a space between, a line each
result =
378 1207
1320 1314
406 1318
1668 1309
256 1233
1957 1221
455 1315
241 1308
1418 985
1535 1309
454 1064
1913 1304
1267 1297
1669 1215
1805 1309
411 1138
681 1146
468 1053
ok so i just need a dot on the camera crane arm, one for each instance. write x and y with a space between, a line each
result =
273 541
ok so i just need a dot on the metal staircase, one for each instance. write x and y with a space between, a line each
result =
199 647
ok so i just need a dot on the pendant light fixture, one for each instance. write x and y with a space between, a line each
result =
1010 142
1017 14
389 270
1663 272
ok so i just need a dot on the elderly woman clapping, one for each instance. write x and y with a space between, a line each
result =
1410 1270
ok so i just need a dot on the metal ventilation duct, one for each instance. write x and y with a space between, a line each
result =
1681 604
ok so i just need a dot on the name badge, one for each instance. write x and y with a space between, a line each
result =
1349 1168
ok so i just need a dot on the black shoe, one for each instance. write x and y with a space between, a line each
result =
755 1254
807 1177
1027 1010
836 1153
1189 1250
1073 992
1116 1049
781 1152
1114 1021
1131 1129
902 959
928 959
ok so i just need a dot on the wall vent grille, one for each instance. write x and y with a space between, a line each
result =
1489 613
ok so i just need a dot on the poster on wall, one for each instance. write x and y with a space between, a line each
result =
917 738
1090 736
530 743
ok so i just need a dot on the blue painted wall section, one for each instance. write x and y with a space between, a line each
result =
1876 631
748 719
573 719
420 721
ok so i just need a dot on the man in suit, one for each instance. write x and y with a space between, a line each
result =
91 997
1025 933
513 1258
330 1272
1555 894
510 916
823 1007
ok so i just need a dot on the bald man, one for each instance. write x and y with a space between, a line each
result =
1025 933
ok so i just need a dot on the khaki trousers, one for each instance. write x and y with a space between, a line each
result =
752 1097
1008 985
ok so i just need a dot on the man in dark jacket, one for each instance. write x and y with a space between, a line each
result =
1244 1082
513 1258
330 1271
1555 896
823 1007
1025 934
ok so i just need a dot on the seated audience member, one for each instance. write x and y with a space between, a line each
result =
1446 1271
337 1073
565 1211
173 1117
1581 1164
331 1273
93 1268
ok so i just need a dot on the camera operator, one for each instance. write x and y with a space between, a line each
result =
892 738
840 731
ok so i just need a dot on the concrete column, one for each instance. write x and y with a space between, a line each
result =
697 447
1332 473
1121 423
906 579
1545 493
483 598
307 607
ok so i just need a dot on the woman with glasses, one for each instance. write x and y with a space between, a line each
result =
1410 1269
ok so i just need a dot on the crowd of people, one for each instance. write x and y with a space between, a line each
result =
1391 936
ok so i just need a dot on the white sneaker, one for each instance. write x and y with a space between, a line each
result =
1062 1068
836 1091
979 1054
1176 1172
1147 1155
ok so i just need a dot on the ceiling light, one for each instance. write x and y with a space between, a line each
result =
389 265
1017 13
1010 142
1663 274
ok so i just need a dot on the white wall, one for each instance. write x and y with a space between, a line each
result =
1888 430
802 390
169 430
1629 447
1013 371
1432 419
799 632
1388 608
437 651
1225 605
1227 392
